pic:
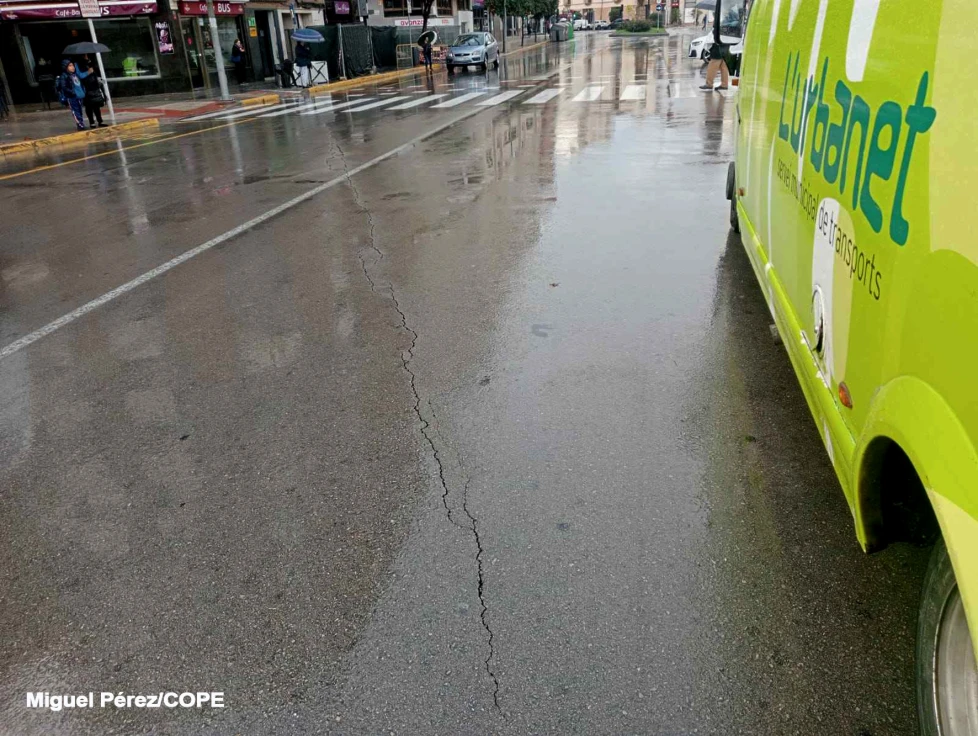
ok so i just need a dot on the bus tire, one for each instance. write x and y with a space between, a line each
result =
945 669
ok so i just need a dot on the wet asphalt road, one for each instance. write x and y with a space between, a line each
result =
489 437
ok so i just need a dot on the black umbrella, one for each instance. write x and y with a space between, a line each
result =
85 47
429 36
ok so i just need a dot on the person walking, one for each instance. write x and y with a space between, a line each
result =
426 54
238 59
94 96
718 63
303 60
71 92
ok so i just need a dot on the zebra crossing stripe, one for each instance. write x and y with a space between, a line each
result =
589 94
291 110
252 111
543 97
379 103
633 92
458 100
209 115
501 97
338 106
418 102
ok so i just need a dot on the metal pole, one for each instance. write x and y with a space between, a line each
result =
222 79
339 32
101 70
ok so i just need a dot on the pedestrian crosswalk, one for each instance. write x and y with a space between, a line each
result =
598 92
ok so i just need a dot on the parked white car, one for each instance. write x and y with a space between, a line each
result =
601 25
580 24
699 48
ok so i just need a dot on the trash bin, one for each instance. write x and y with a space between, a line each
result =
285 71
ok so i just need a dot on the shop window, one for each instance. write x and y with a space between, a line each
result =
444 7
133 54
393 8
464 4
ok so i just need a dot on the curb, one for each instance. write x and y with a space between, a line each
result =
272 99
80 137
318 89
525 48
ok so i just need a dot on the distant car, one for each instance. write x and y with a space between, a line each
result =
472 48
580 24
615 24
601 25
699 48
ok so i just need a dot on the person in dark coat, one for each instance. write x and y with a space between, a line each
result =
94 96
71 92
426 53
303 60
238 59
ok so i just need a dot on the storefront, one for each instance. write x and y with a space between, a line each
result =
142 59
198 45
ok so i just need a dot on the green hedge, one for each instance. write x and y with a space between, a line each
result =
637 26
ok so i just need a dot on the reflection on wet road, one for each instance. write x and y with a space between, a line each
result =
442 407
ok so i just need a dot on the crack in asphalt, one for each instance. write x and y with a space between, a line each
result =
407 356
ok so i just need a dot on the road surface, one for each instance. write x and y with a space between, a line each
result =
443 407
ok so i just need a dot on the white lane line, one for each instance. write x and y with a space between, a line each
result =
633 92
225 111
391 92
74 315
418 102
543 97
459 100
378 103
527 86
589 94
338 106
501 97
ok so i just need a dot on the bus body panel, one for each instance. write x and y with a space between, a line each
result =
854 171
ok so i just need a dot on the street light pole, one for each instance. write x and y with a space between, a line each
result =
505 27
222 79
101 71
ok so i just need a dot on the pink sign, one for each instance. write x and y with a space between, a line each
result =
341 7
67 11
196 8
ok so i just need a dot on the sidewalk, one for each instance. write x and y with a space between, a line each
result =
35 121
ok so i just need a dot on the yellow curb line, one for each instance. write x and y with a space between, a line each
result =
525 48
79 137
272 99
319 89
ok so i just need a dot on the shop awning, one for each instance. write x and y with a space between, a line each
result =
21 10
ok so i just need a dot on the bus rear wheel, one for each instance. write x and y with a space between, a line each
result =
946 669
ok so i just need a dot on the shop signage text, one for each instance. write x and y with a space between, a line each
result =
195 8
419 22
67 11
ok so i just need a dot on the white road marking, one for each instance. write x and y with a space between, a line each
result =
290 111
76 314
379 103
633 92
545 96
418 103
338 106
220 112
501 97
253 111
459 100
589 94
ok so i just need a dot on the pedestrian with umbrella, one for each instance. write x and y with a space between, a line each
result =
425 40
71 92
94 97
303 52
83 49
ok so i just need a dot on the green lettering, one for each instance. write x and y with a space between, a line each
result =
836 134
783 129
797 114
919 120
821 123
859 115
879 162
